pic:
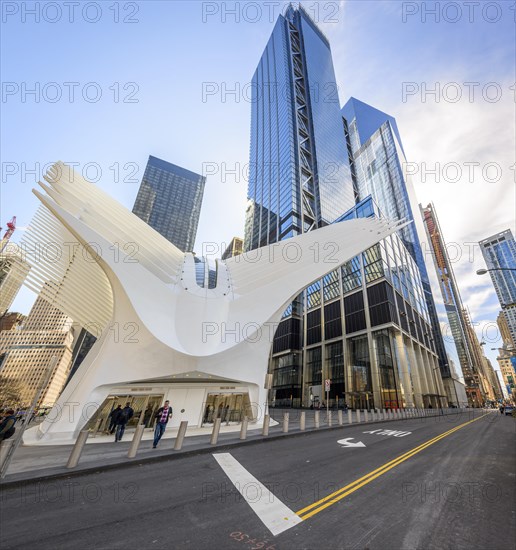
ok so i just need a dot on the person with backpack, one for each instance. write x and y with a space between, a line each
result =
7 428
113 415
121 421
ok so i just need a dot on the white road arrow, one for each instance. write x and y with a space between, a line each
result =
347 442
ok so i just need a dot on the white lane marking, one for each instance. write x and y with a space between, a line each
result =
272 512
348 442
395 433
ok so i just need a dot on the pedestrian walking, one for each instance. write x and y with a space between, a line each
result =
113 415
163 415
121 421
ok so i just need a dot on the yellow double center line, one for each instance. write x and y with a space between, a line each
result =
331 499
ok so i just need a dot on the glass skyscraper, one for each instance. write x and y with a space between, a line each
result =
299 176
169 200
499 253
354 327
377 156
459 322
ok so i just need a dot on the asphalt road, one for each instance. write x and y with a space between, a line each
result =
417 490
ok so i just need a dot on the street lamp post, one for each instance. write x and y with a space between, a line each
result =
484 271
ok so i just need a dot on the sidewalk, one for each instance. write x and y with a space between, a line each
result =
32 463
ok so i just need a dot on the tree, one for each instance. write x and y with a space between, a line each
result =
11 392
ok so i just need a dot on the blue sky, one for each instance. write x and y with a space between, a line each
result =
161 62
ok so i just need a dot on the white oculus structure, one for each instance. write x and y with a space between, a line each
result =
193 323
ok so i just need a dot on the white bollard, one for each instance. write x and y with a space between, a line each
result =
358 415
215 432
366 416
135 443
329 418
77 449
339 417
350 417
384 412
285 422
266 421
243 428
180 435
316 419
302 421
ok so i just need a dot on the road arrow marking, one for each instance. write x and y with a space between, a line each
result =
347 442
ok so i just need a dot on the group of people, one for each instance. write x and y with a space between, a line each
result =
119 417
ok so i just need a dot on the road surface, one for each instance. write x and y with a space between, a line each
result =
434 483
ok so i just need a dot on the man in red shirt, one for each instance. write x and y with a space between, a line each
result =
163 415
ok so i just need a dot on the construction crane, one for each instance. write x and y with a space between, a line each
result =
11 226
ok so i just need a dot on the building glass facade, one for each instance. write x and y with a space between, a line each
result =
169 200
299 176
349 326
452 302
499 253
376 155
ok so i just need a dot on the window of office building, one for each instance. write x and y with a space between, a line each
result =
360 364
351 274
313 327
332 320
354 310
386 362
331 286
313 366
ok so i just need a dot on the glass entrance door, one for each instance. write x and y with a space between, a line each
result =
144 406
230 407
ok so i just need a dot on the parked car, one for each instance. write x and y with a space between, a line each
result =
508 410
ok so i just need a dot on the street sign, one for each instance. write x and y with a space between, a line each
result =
327 384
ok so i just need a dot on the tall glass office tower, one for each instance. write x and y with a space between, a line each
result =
299 173
499 253
351 327
169 200
377 155
460 325
299 177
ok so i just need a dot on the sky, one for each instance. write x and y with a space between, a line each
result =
110 83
